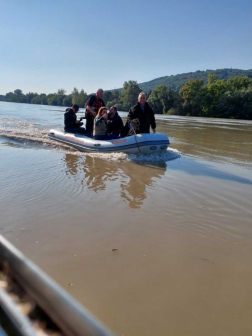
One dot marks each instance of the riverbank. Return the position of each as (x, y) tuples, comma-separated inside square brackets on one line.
[(218, 98)]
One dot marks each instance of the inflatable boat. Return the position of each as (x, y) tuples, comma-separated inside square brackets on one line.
[(134, 144)]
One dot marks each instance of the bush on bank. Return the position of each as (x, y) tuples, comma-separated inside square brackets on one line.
[(230, 98)]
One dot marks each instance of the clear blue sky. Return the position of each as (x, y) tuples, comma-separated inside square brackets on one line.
[(50, 44)]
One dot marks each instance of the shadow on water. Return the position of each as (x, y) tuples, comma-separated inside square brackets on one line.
[(194, 167), (133, 178)]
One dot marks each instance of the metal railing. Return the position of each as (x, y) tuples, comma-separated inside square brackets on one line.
[(70, 317)]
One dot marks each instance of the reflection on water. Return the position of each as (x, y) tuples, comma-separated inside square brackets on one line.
[(133, 180), (133, 189)]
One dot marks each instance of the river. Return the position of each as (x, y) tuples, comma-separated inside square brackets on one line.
[(151, 245)]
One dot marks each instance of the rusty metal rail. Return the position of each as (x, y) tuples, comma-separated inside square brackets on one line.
[(43, 294)]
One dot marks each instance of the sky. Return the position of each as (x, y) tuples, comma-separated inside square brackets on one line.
[(52, 44)]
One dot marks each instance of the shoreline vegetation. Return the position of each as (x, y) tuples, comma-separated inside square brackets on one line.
[(218, 98)]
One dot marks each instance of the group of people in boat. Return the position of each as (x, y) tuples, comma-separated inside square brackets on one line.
[(104, 125)]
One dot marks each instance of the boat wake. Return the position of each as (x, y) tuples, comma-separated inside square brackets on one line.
[(170, 154), (25, 135)]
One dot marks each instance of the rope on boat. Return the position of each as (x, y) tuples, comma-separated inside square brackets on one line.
[(133, 128)]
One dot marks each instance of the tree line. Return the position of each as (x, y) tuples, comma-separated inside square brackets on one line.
[(177, 81), (230, 98)]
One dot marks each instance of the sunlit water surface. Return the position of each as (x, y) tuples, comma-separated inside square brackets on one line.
[(181, 222)]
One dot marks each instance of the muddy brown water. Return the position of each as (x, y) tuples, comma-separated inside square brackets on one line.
[(180, 224)]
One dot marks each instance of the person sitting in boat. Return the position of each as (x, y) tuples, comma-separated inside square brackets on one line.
[(100, 125), (141, 116), (72, 125), (93, 104), (114, 123)]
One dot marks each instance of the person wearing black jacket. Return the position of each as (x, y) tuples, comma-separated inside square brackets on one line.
[(144, 115), (114, 123), (72, 125)]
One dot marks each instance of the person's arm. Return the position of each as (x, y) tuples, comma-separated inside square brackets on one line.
[(130, 116), (90, 110), (70, 120), (153, 121), (65, 119), (89, 106), (96, 122), (120, 125), (78, 122)]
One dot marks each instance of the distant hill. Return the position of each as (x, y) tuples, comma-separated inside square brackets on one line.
[(177, 81)]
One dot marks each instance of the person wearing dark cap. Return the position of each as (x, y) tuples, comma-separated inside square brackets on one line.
[(72, 125)]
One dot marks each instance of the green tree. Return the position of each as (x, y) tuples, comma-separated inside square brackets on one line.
[(218, 99), (190, 90), (236, 105), (130, 94), (30, 96), (238, 83), (211, 97), (211, 78), (107, 96), (118, 106), (191, 94), (83, 97), (61, 96), (10, 97), (18, 92), (53, 100), (79, 98), (112, 103), (75, 96), (67, 101), (40, 99), (162, 99), (17, 97), (116, 95), (114, 100), (61, 92)]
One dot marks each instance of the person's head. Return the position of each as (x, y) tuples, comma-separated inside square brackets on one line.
[(75, 108), (99, 93), (142, 98), (102, 112), (112, 111)]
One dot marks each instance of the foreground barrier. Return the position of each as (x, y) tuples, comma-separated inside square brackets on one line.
[(33, 304)]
